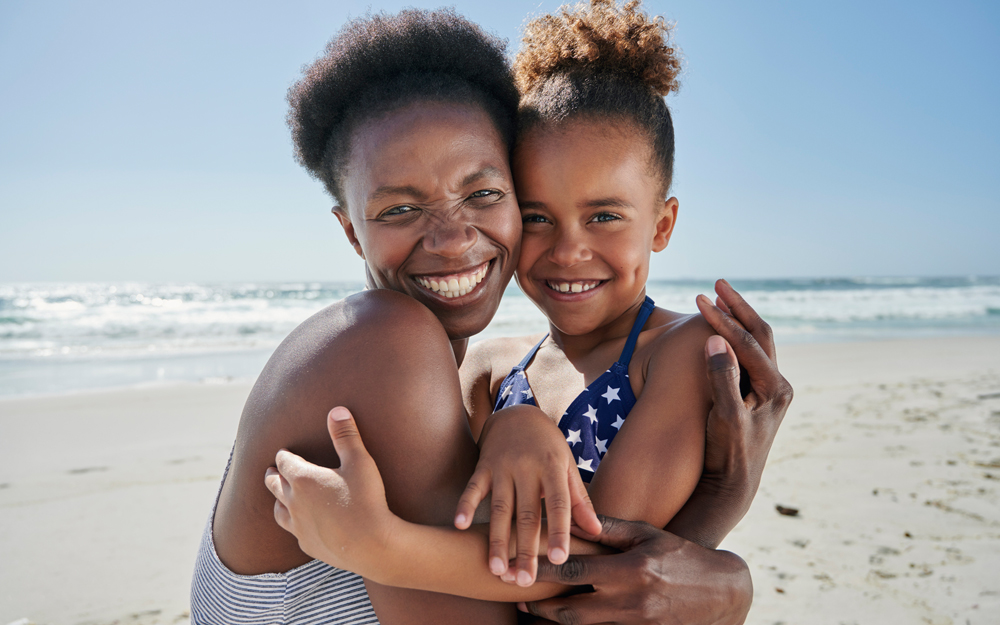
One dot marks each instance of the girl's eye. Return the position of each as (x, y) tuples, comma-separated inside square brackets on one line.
[(533, 219), (601, 217), (398, 210)]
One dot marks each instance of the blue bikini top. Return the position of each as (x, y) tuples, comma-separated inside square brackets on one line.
[(595, 416)]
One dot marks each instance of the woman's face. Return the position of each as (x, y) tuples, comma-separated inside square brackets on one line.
[(431, 209), (592, 210)]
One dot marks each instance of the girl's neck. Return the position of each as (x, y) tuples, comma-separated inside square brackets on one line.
[(579, 346)]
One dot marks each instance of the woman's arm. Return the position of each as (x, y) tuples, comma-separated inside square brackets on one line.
[(388, 358)]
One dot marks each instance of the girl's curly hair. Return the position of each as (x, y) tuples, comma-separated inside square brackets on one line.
[(600, 59), (379, 63)]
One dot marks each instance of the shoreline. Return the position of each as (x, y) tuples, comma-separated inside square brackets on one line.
[(104, 494)]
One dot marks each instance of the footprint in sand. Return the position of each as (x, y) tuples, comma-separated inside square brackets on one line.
[(86, 470)]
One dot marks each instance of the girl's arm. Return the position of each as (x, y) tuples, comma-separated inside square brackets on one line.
[(340, 516)]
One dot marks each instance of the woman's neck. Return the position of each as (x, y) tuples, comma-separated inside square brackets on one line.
[(459, 346)]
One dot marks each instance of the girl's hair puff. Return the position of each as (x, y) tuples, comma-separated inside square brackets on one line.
[(602, 60)]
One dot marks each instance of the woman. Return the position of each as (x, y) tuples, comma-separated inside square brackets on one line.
[(413, 109)]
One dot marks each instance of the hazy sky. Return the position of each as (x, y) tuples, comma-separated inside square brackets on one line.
[(147, 141)]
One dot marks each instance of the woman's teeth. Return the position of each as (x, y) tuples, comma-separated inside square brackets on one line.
[(572, 287), (454, 286)]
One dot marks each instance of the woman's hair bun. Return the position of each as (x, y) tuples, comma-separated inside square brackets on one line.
[(596, 38)]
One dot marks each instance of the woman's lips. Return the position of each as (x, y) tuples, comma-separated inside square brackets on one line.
[(454, 285)]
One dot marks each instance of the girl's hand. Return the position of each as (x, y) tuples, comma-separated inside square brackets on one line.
[(340, 515), (523, 458)]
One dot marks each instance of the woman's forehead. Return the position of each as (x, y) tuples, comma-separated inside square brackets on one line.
[(424, 148)]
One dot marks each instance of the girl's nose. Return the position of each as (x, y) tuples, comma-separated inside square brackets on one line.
[(569, 249), (450, 238)]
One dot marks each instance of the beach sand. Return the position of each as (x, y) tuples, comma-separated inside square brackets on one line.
[(890, 452)]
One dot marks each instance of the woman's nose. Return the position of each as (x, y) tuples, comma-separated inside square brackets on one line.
[(450, 238)]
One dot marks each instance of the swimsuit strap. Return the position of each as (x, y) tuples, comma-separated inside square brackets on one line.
[(531, 354), (640, 321)]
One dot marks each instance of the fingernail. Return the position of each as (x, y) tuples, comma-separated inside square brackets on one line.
[(557, 555), (522, 606), (716, 345), (460, 519), (507, 576), (523, 578), (498, 566), (340, 414), (704, 300)]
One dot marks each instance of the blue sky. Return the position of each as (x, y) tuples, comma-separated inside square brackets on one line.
[(146, 141)]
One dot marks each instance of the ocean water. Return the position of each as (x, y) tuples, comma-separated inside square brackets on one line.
[(57, 338)]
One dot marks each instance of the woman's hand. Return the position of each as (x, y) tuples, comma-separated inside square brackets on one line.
[(523, 458), (740, 429), (340, 515), (658, 578)]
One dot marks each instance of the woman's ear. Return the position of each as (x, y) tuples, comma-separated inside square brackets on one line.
[(345, 223), (665, 224)]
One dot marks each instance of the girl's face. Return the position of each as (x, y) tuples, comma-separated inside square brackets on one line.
[(592, 210), (431, 209)]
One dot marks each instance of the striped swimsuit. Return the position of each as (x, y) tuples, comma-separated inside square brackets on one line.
[(595, 416), (312, 594)]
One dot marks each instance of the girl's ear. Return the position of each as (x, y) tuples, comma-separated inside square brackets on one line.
[(345, 223), (665, 224)]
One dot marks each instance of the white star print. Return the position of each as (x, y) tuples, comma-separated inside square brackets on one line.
[(506, 392), (521, 373), (584, 464), (527, 393), (591, 413), (602, 446), (618, 422), (574, 437), (611, 395)]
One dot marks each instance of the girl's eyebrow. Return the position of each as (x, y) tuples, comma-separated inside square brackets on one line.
[(608, 202)]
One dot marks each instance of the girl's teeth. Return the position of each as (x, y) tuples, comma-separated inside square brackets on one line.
[(572, 287)]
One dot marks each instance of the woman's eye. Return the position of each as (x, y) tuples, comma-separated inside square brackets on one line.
[(601, 217), (485, 193), (398, 210)]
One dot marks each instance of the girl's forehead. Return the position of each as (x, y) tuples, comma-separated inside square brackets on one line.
[(581, 155)]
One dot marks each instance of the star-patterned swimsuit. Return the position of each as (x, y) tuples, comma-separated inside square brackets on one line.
[(595, 416)]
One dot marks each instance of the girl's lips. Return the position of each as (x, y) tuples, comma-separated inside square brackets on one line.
[(454, 285)]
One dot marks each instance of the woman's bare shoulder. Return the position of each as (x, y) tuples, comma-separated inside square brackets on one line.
[(343, 353)]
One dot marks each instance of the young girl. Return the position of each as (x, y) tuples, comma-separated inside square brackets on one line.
[(615, 394)]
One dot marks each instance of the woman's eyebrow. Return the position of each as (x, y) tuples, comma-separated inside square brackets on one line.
[(385, 190), (486, 172)]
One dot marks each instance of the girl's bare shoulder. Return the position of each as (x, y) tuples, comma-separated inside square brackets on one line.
[(674, 343)]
